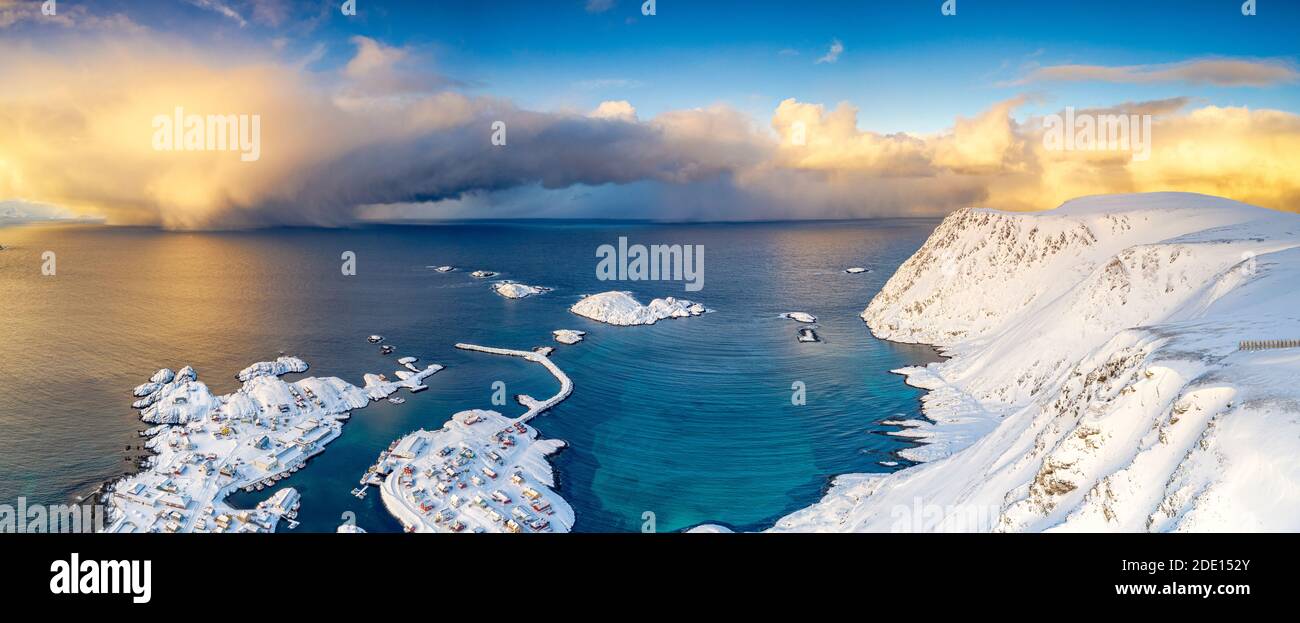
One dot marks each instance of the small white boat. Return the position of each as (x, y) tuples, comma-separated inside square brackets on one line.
[(375, 339), (397, 400), (808, 335)]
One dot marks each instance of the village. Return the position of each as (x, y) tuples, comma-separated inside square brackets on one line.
[(207, 447), (482, 472)]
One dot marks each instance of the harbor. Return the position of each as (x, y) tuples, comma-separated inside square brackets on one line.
[(481, 472)]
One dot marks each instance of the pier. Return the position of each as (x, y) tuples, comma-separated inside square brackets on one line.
[(535, 407)]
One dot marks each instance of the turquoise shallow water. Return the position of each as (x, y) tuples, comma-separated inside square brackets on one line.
[(689, 419)]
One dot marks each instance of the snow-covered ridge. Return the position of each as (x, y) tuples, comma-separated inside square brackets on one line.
[(1096, 381)]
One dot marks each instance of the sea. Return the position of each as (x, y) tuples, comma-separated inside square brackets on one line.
[(723, 418)]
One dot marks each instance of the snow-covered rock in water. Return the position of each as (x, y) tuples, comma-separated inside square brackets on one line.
[(164, 375), (1096, 381), (145, 389), (279, 367), (856, 270), (800, 317), (619, 308), (350, 528), (568, 336), (710, 528), (483, 274), (512, 290)]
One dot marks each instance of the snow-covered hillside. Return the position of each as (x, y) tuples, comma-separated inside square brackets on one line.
[(1096, 382)]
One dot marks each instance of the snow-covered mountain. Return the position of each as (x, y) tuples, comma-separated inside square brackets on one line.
[(1096, 381)]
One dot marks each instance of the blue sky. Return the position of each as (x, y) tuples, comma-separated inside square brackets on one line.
[(907, 66)]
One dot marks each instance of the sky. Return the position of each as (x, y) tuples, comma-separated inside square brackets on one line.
[(713, 110)]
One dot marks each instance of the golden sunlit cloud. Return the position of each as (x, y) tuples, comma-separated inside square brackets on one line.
[(79, 135)]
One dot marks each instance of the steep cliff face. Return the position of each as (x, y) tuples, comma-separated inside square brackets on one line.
[(1096, 381)]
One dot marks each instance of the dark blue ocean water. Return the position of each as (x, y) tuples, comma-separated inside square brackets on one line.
[(688, 419)]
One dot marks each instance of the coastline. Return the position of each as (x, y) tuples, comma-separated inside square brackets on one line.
[(1115, 400)]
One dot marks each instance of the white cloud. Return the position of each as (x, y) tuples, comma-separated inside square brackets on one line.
[(1216, 71), (833, 53), (619, 109), (220, 8)]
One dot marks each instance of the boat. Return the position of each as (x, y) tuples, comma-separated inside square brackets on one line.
[(375, 339), (808, 335), (397, 400)]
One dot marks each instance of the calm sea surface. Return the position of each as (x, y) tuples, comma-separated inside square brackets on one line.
[(688, 419)]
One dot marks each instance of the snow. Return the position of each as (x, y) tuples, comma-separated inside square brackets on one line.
[(164, 375), (709, 528), (379, 386), (481, 472), (206, 446), (279, 367), (512, 290), (1095, 382), (804, 317), (620, 308), (568, 336)]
